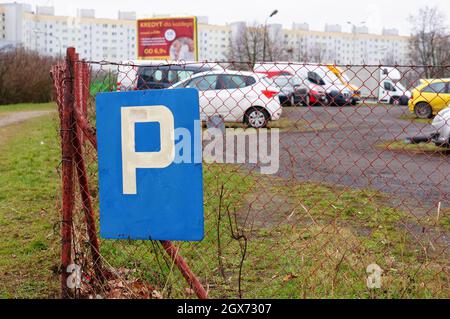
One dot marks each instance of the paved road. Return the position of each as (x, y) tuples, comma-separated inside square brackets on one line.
[(344, 153), (17, 117)]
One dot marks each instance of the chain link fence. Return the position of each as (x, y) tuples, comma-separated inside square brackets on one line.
[(343, 202)]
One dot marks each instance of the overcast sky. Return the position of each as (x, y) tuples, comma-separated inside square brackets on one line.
[(376, 13)]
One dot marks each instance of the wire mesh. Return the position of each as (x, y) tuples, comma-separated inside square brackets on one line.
[(356, 207)]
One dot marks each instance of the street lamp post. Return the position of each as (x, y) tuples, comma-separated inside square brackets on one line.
[(354, 26), (51, 35), (265, 34)]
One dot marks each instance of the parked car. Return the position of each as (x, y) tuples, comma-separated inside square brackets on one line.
[(150, 75), (292, 90), (355, 91), (316, 95), (312, 73), (441, 135), (339, 97), (430, 97), (336, 93), (242, 97), (272, 74), (441, 123)]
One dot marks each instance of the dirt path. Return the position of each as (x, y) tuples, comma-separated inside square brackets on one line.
[(17, 117)]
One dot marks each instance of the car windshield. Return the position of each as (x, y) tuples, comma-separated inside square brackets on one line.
[(287, 81), (320, 76)]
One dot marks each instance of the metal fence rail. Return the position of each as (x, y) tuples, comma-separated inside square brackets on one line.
[(336, 204)]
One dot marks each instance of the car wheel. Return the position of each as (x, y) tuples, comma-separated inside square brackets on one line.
[(306, 101), (292, 100), (330, 101), (256, 117), (423, 110), (404, 100), (394, 101)]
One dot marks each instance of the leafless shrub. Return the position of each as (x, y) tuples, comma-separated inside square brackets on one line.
[(24, 76)]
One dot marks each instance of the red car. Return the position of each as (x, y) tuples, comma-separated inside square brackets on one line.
[(272, 74), (317, 95), (294, 91)]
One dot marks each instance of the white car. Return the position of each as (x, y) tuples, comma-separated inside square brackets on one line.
[(242, 97), (441, 124)]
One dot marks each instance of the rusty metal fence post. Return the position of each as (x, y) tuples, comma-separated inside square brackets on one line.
[(81, 80), (66, 113)]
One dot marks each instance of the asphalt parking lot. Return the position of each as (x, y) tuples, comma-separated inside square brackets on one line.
[(344, 152)]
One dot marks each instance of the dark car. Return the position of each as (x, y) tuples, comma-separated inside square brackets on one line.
[(339, 98), (292, 90), (163, 76)]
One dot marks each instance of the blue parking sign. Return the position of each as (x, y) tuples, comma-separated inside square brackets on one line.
[(150, 168)]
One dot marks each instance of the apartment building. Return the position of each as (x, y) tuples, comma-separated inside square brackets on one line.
[(339, 47), (213, 41), (2, 24), (115, 39), (95, 39)]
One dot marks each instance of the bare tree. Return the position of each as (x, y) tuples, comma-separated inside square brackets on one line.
[(247, 45), (276, 50), (430, 42), (389, 59), (297, 52), (318, 53)]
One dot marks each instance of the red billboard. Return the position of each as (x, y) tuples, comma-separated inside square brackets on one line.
[(167, 39)]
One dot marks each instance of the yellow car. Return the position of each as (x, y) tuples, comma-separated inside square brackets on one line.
[(430, 97)]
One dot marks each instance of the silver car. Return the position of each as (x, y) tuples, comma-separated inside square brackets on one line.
[(292, 89), (441, 124)]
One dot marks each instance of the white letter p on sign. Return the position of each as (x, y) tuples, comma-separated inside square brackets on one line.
[(131, 160)]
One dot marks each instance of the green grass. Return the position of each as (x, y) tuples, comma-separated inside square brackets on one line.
[(422, 148), (107, 83), (29, 156), (284, 124), (304, 240), (317, 243), (4, 109), (361, 226)]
